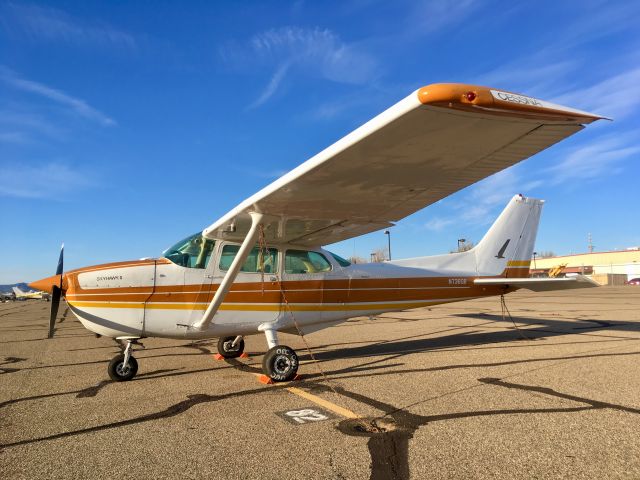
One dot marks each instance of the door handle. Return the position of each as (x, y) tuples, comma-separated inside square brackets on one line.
[(208, 276)]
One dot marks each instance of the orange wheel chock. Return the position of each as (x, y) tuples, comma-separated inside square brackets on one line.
[(217, 356), (244, 355), (267, 381)]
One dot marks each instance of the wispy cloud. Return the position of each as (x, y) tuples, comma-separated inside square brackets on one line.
[(597, 19), (272, 87), (269, 174), (78, 106), (13, 137), (616, 96), (352, 101), (313, 52), (438, 224), (601, 157), (534, 75), (51, 181), (24, 126), (51, 24), (428, 16)]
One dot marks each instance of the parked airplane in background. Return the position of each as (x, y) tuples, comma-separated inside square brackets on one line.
[(261, 269), (21, 295), (6, 296)]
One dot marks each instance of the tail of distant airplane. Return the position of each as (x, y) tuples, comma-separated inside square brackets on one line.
[(505, 250), (18, 292)]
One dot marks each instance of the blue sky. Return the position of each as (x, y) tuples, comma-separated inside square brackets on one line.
[(125, 126)]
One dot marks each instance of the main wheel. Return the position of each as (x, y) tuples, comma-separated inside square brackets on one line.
[(226, 349), (280, 363), (117, 370)]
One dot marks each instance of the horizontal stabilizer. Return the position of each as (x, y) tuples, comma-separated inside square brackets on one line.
[(540, 284)]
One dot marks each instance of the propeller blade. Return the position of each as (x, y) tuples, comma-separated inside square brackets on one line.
[(56, 294), (60, 263), (55, 303)]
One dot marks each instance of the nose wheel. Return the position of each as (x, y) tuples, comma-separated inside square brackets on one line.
[(123, 367), (231, 347), (119, 371)]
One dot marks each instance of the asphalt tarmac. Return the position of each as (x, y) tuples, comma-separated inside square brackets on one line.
[(452, 391)]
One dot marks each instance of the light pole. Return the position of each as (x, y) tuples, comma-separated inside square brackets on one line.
[(373, 257), (388, 234), (534, 260), (461, 242)]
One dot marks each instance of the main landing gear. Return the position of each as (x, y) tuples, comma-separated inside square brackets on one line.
[(123, 367), (280, 363)]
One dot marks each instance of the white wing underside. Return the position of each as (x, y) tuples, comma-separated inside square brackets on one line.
[(406, 158)]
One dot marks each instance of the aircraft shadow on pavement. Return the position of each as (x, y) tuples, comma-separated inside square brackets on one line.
[(533, 328)]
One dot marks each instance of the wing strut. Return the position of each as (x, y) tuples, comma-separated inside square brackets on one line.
[(231, 274)]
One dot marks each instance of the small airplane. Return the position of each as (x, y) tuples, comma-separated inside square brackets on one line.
[(6, 296), (261, 269), (32, 295)]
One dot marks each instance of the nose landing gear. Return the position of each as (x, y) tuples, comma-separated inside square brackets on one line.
[(123, 367)]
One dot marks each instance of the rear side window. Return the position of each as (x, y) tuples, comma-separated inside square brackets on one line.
[(257, 262), (303, 261), (341, 261)]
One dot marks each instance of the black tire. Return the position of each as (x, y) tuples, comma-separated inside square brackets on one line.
[(280, 363), (116, 371), (225, 349)]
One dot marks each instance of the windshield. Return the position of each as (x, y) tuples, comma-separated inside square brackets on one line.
[(191, 252)]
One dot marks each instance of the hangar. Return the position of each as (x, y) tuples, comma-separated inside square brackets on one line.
[(606, 268)]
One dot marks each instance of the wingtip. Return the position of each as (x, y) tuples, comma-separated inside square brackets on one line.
[(468, 97)]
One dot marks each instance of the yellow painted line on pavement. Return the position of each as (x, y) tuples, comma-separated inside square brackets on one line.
[(344, 412), (323, 403)]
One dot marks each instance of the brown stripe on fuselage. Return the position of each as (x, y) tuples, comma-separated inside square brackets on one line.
[(313, 291), (326, 293)]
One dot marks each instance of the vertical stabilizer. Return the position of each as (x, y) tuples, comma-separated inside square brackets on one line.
[(507, 247)]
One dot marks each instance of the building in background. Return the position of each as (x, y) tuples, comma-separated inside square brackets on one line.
[(606, 268)]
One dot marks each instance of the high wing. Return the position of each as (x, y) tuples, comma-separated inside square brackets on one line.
[(540, 284), (438, 140)]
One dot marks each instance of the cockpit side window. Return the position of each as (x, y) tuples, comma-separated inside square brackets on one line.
[(258, 261), (192, 252)]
